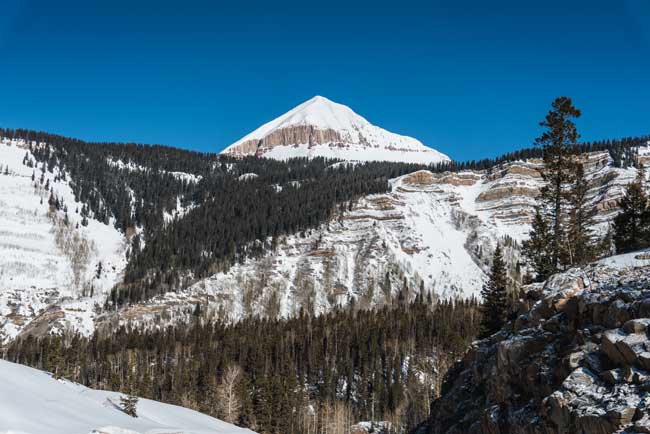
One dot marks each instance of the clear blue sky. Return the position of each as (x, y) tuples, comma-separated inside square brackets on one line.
[(470, 78)]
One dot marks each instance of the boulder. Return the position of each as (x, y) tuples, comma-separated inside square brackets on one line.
[(643, 425), (511, 351), (639, 325), (618, 313), (563, 286), (631, 347), (580, 380), (608, 345)]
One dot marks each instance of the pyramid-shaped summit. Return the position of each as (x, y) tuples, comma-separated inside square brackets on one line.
[(320, 127)]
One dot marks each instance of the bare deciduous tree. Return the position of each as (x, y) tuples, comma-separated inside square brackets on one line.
[(228, 401)]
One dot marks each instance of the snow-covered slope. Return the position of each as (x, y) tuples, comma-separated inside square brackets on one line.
[(436, 232), (433, 231), (49, 270), (32, 402), (322, 128)]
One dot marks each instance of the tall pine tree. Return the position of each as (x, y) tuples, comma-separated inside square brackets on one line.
[(558, 145), (494, 293)]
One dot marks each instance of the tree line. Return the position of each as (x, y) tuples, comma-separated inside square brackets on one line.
[(302, 375)]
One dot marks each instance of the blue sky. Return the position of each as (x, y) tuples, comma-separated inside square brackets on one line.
[(470, 78)]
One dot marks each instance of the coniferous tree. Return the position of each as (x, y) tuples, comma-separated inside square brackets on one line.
[(632, 225), (129, 405), (581, 246), (494, 293), (558, 144), (536, 248)]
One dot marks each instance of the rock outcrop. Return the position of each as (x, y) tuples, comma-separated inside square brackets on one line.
[(575, 360), (299, 134)]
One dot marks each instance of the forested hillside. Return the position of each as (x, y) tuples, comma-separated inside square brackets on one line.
[(308, 374), (188, 215)]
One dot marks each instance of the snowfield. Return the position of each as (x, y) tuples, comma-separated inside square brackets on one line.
[(32, 402), (640, 258), (37, 270)]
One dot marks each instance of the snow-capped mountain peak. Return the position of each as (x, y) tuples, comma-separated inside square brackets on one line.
[(317, 112), (322, 127)]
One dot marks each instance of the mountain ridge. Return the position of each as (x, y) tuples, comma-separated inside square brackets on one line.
[(347, 255)]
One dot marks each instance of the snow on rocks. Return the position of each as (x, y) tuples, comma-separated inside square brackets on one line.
[(578, 361), (436, 230)]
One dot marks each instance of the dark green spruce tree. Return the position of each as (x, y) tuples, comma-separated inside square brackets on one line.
[(558, 144), (536, 248), (495, 301), (582, 247), (632, 225)]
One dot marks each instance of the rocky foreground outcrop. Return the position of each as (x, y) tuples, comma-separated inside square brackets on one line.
[(575, 360)]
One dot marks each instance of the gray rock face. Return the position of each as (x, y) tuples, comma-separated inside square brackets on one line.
[(577, 361)]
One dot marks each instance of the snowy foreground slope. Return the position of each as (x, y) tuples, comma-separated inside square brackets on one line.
[(320, 127), (32, 402)]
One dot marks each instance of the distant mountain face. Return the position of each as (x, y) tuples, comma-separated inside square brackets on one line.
[(320, 127), (428, 233), (432, 233)]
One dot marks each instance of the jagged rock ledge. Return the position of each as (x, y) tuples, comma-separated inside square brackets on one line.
[(575, 360)]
